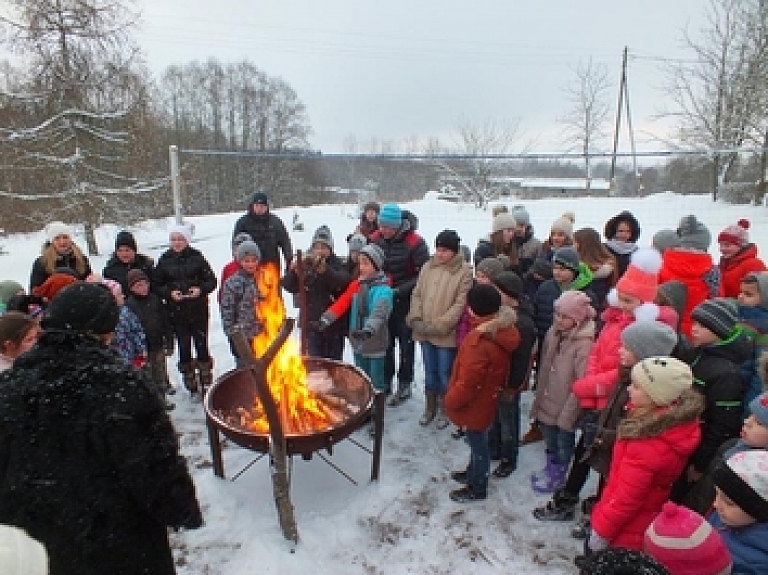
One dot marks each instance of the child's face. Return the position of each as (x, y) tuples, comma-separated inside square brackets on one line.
[(444, 255), (749, 294), (371, 215), (728, 249), (623, 232), (639, 397), (562, 275), (730, 513), (365, 265), (628, 303), (125, 254), (140, 288), (701, 335), (482, 278), (557, 238), (178, 242), (250, 264), (754, 433), (562, 322), (627, 357), (321, 250)]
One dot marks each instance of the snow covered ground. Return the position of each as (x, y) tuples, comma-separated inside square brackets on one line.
[(404, 523)]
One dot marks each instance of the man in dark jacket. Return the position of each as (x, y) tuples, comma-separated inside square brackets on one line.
[(89, 461), (405, 252), (126, 258), (267, 230)]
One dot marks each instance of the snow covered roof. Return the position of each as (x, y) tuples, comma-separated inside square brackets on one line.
[(565, 183)]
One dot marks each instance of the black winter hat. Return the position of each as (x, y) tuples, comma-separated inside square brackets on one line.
[(126, 239), (82, 306), (619, 561), (260, 197), (484, 299), (449, 240), (719, 315), (613, 224), (568, 258), (510, 284)]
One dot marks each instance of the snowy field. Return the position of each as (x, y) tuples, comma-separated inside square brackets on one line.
[(404, 523)]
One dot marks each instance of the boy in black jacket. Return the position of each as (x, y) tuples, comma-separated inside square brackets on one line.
[(153, 316)]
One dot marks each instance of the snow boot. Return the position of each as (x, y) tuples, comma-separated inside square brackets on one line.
[(460, 477), (430, 406), (541, 475), (401, 395), (505, 468), (205, 374), (188, 375), (441, 420), (466, 495), (562, 507), (554, 480)]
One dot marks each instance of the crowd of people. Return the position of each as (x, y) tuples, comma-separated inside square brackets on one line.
[(648, 365)]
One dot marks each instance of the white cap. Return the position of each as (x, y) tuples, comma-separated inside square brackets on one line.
[(56, 229), (186, 230), (20, 554)]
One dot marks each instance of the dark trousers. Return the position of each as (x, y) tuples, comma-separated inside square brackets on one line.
[(579, 471), (504, 435), (479, 461), (157, 370), (399, 332), (189, 334), (325, 345)]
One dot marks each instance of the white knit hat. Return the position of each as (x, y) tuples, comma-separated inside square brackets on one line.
[(20, 554), (662, 378), (503, 221), (56, 229), (187, 230)]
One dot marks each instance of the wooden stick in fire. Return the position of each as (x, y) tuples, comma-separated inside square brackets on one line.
[(303, 319), (277, 446)]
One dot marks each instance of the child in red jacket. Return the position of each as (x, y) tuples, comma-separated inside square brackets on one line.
[(738, 257)]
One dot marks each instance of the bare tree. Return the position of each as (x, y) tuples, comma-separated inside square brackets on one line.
[(585, 120), (720, 101)]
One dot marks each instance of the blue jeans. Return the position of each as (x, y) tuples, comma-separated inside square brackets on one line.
[(373, 368), (559, 442), (438, 362), (479, 461), (504, 435), (325, 345), (399, 332)]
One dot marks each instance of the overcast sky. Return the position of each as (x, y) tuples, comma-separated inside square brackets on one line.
[(396, 69)]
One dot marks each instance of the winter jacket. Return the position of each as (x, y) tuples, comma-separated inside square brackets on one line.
[(404, 256), (754, 321), (717, 376), (602, 374), (521, 361), (650, 453), (369, 302), (733, 270), (129, 340), (50, 260), (153, 316), (748, 546), (239, 303), (439, 299), (529, 249), (698, 272), (118, 271), (227, 272), (182, 271), (322, 285), (480, 371), (269, 232), (550, 290), (89, 461), (622, 252), (563, 360)]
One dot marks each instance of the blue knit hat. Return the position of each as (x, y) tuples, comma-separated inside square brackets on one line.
[(390, 216)]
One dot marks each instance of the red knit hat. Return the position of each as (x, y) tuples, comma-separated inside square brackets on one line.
[(683, 541), (641, 278), (735, 234), (53, 285)]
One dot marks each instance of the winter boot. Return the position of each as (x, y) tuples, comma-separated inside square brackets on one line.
[(505, 468), (561, 508), (541, 475), (430, 405), (441, 420), (205, 371), (401, 395), (554, 480), (466, 494), (533, 435), (582, 527), (189, 377)]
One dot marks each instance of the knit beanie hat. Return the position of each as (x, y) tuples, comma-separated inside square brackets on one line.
[(744, 479), (719, 315), (504, 221), (53, 285), (521, 215), (8, 289), (125, 239), (356, 242), (135, 276), (249, 248), (761, 279), (260, 198), (612, 225), (240, 238), (619, 561), (323, 235), (564, 224), (693, 234), (390, 216), (510, 284), (649, 339), (662, 378), (56, 229), (375, 254), (686, 544), (641, 278), (20, 554), (542, 268), (576, 305), (449, 240), (735, 234), (665, 240), (491, 267), (568, 258), (759, 408), (484, 300), (673, 293), (185, 230), (82, 306)]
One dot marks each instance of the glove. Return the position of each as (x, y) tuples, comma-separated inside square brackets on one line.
[(597, 542), (325, 320), (361, 334)]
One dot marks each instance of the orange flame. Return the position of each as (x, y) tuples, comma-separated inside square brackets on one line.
[(286, 376)]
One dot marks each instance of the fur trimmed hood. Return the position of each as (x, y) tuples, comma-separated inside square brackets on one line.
[(506, 317), (688, 408)]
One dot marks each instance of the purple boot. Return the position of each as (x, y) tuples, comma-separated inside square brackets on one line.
[(541, 475), (554, 480)]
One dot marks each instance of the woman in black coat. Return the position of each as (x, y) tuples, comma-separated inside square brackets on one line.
[(89, 461)]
